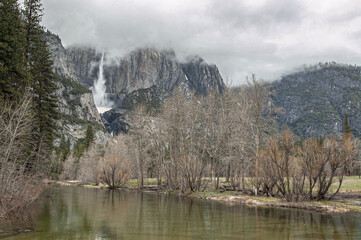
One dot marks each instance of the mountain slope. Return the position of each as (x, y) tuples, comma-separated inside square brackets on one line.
[(76, 103), (315, 100)]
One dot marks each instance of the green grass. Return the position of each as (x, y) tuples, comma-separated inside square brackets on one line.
[(343, 206), (147, 182), (266, 199), (352, 183), (349, 184), (218, 193)]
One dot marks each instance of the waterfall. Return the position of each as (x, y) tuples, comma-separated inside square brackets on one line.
[(102, 103)]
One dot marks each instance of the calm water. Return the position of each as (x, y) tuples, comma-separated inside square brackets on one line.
[(81, 213)]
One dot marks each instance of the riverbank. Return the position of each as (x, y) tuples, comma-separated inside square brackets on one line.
[(348, 200), (342, 205)]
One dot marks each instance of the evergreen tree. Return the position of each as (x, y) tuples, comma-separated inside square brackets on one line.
[(39, 65), (45, 100), (346, 125), (321, 141), (13, 74), (64, 149), (33, 30), (89, 137), (78, 150), (346, 128)]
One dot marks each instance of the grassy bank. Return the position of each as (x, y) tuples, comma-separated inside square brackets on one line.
[(349, 198), (340, 205)]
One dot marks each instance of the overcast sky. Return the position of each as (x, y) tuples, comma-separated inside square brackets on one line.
[(265, 37)]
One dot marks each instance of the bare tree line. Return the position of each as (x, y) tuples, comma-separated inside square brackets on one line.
[(196, 140), (222, 140)]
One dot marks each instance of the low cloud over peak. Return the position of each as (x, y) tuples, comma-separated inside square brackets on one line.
[(267, 38)]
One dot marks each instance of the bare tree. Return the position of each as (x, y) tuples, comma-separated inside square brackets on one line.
[(141, 132), (240, 143), (280, 163), (70, 168), (299, 169), (260, 114), (86, 167), (115, 167), (336, 158), (217, 133), (18, 188)]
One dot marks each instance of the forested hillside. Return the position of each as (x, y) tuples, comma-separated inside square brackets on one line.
[(316, 99)]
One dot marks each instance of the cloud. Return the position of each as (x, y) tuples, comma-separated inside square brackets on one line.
[(265, 37)]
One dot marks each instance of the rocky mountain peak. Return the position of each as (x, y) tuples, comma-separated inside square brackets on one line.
[(195, 59), (202, 76), (145, 68)]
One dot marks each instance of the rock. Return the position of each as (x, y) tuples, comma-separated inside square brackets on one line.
[(76, 103), (62, 65), (202, 76), (115, 121), (85, 62)]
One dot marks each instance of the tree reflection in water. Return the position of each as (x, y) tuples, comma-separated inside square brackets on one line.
[(82, 213)]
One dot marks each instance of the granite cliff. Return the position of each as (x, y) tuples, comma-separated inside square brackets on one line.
[(76, 103), (142, 76), (144, 69)]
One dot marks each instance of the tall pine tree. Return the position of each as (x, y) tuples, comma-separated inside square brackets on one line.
[(13, 74), (89, 136), (346, 127), (39, 65)]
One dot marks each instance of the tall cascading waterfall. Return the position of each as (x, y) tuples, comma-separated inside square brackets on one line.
[(102, 103)]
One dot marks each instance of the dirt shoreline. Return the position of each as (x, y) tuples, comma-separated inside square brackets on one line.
[(350, 202), (323, 207)]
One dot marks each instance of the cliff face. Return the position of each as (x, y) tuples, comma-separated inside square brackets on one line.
[(143, 76), (84, 63), (76, 103), (62, 64), (144, 69), (202, 76), (315, 100)]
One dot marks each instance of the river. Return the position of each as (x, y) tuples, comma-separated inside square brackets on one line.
[(89, 213)]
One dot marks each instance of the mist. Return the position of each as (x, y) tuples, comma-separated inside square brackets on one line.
[(268, 38)]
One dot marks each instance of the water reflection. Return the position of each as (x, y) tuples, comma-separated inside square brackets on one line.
[(80, 213)]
